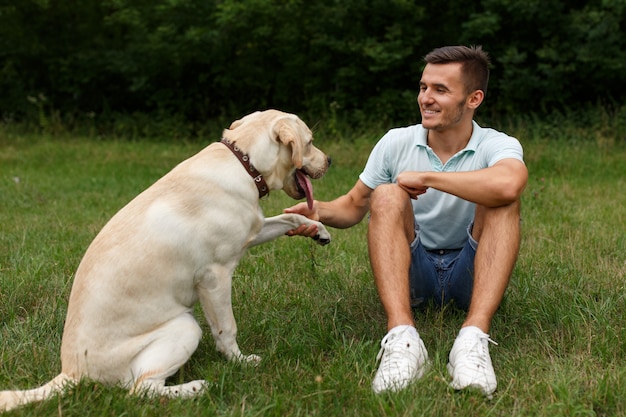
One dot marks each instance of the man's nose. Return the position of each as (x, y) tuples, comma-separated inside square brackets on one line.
[(424, 96)]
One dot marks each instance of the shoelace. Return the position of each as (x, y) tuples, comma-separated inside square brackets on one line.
[(476, 348), (383, 344), (384, 347)]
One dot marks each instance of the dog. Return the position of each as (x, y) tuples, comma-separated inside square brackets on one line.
[(129, 318)]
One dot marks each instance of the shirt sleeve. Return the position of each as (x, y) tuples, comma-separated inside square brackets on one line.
[(376, 171), (501, 146)]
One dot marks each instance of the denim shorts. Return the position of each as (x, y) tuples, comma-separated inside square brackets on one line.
[(442, 275)]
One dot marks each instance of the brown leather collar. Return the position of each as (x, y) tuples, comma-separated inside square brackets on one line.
[(260, 183)]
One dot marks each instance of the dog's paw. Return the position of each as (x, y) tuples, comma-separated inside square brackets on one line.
[(323, 237), (251, 359), (246, 359), (158, 388), (187, 390)]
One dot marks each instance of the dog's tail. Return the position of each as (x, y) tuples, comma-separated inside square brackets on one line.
[(12, 399)]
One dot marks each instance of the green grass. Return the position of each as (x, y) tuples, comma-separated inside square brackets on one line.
[(312, 312)]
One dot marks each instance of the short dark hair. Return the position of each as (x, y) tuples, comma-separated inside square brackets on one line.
[(475, 64)]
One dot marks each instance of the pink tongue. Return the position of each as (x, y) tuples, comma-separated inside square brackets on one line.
[(307, 187)]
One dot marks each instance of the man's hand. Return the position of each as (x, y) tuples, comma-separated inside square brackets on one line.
[(304, 230), (412, 183)]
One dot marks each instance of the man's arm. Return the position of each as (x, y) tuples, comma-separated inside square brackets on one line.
[(498, 185)]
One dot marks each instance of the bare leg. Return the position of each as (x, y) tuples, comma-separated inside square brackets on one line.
[(403, 356), (391, 231), (498, 232)]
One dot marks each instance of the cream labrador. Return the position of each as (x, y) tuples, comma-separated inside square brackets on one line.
[(129, 318)]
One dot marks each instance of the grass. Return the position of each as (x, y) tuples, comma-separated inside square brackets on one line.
[(312, 312)]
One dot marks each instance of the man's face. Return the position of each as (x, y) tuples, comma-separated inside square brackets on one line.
[(442, 98)]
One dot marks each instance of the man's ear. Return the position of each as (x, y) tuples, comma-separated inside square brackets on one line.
[(286, 134), (475, 99)]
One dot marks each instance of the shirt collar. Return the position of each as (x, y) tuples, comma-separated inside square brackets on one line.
[(422, 138)]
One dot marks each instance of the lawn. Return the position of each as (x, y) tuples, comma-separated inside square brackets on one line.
[(312, 312)]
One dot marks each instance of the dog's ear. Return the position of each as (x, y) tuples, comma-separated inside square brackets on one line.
[(286, 134), (235, 124), (249, 117)]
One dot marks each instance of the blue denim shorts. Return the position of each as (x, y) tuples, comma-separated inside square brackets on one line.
[(442, 275)]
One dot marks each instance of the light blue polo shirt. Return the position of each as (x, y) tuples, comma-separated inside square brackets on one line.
[(442, 217)]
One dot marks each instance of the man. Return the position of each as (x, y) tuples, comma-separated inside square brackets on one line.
[(444, 204)]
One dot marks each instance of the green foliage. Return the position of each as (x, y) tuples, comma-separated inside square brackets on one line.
[(206, 58), (552, 54)]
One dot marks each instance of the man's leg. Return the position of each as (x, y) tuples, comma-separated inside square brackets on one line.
[(390, 233), (498, 232), (391, 230)]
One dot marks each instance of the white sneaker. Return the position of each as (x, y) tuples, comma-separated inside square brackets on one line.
[(470, 363), (402, 360)]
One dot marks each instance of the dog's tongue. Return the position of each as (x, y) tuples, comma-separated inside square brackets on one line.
[(307, 187)]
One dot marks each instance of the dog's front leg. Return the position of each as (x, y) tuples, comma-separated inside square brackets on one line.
[(277, 226), (215, 292)]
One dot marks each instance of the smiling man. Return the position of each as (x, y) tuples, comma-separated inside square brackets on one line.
[(444, 225)]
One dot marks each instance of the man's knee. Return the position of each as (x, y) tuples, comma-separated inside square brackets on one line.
[(386, 196), (391, 205)]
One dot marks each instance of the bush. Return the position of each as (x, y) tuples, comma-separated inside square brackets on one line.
[(200, 59)]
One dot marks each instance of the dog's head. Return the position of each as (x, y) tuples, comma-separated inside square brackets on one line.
[(280, 146)]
